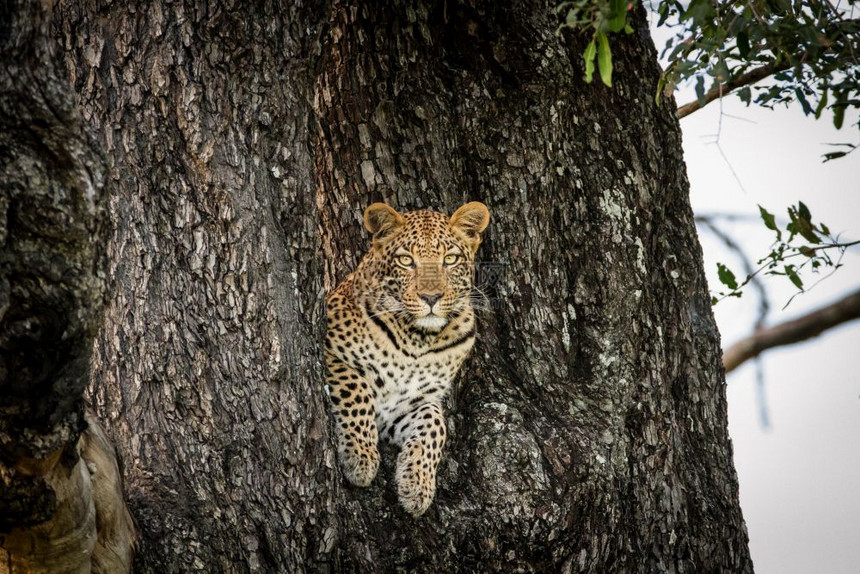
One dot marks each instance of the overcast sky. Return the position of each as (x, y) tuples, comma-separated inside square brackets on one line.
[(799, 478)]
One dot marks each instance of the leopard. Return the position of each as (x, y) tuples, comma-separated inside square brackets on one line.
[(399, 327)]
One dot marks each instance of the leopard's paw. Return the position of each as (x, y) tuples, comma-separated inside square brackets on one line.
[(416, 479), (360, 464)]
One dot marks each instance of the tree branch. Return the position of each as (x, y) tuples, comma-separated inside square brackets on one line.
[(804, 327), (720, 90), (756, 74)]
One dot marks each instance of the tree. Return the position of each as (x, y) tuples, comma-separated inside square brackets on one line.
[(588, 431), (61, 505), (772, 53)]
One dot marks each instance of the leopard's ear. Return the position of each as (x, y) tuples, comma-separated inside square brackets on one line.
[(469, 221), (381, 221)]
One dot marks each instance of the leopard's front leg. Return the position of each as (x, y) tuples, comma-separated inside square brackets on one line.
[(353, 406), (421, 435)]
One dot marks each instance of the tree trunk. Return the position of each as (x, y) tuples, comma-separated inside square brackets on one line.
[(588, 430), (61, 503)]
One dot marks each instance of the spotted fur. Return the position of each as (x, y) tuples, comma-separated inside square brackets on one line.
[(399, 327)]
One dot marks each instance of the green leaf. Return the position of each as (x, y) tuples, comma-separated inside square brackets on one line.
[(721, 71), (838, 116), (768, 218), (807, 231), (604, 59), (783, 5), (807, 109), (795, 278), (822, 103), (801, 222), (745, 94), (590, 52), (824, 229), (617, 15), (699, 11), (664, 12), (806, 251), (834, 155), (803, 211), (726, 276), (700, 90), (661, 83), (743, 43), (770, 221)]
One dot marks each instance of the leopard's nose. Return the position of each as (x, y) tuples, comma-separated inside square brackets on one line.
[(430, 299)]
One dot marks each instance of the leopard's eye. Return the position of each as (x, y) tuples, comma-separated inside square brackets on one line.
[(405, 261), (451, 259)]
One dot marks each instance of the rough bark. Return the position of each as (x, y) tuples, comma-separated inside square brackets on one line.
[(589, 428), (61, 503)]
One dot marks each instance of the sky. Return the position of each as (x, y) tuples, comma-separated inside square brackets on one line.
[(799, 475)]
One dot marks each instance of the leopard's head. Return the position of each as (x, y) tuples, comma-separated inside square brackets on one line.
[(421, 265)]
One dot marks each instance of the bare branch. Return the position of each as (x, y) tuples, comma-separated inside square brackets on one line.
[(794, 331)]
